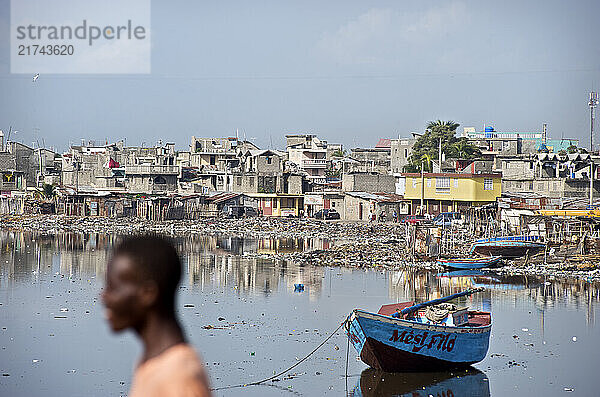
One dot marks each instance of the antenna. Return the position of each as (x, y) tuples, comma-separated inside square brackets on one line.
[(592, 104), (544, 132)]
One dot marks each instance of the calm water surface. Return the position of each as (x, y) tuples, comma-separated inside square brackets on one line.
[(243, 316)]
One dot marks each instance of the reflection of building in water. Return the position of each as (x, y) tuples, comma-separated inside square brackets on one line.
[(311, 277), (213, 270), (24, 255), (420, 285), (216, 269), (287, 245)]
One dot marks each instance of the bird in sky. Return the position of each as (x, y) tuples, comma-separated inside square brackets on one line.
[(37, 75)]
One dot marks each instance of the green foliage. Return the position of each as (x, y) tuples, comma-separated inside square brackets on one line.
[(427, 146), (339, 153), (572, 149), (49, 191)]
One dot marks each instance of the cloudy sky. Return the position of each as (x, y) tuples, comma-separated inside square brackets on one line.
[(348, 71)]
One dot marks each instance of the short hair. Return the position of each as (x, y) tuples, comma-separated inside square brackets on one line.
[(157, 260)]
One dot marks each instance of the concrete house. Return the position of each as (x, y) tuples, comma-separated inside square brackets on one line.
[(309, 153), (444, 192)]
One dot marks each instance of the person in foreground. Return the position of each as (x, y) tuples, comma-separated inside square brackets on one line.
[(141, 283)]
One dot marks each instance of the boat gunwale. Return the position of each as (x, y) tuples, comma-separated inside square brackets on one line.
[(508, 243), (425, 327), (470, 260)]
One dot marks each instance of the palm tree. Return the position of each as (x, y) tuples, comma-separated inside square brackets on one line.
[(49, 191), (464, 150), (449, 125), (426, 160)]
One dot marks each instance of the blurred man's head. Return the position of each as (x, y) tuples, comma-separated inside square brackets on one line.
[(141, 278)]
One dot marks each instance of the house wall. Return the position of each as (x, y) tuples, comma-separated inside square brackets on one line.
[(461, 188), (352, 206), (364, 182), (400, 152)]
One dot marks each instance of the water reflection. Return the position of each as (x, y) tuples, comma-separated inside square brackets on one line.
[(221, 262), (470, 382), (544, 291)]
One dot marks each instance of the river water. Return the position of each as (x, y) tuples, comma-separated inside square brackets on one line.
[(242, 314)]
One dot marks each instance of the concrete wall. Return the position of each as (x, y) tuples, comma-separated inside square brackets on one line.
[(364, 182), (352, 207), (401, 151)]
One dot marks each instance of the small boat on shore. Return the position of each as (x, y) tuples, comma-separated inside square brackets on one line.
[(405, 337), (469, 263), (508, 246)]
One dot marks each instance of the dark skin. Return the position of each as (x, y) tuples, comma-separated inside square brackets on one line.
[(133, 301)]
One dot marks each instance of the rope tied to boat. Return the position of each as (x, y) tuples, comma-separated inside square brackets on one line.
[(439, 312), (285, 370)]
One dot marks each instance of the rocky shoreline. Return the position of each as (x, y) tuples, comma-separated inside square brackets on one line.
[(353, 244)]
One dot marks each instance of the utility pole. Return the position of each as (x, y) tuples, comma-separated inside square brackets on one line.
[(422, 188), (591, 181), (440, 154), (592, 104)]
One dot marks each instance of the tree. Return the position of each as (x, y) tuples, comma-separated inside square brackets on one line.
[(339, 153), (49, 191), (427, 146), (572, 149)]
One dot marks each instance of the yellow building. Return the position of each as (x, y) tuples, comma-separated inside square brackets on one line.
[(447, 192), (279, 204)]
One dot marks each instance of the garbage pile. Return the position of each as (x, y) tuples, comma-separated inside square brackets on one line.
[(258, 227)]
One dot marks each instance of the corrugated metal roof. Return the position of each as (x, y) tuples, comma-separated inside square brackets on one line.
[(384, 143)]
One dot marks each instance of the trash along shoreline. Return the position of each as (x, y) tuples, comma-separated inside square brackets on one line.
[(353, 244)]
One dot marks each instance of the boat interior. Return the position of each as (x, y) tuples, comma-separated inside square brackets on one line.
[(474, 318)]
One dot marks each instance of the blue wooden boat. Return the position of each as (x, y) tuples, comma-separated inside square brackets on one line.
[(469, 263), (508, 246), (471, 382), (399, 338)]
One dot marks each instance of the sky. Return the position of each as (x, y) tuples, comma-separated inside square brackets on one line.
[(349, 71)]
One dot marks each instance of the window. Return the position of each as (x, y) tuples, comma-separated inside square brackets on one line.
[(405, 153), (414, 183), (531, 185), (251, 181), (488, 184), (239, 181), (333, 204), (442, 185), (455, 182), (269, 160), (428, 182), (159, 180)]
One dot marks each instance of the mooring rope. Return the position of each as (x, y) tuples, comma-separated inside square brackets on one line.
[(286, 370)]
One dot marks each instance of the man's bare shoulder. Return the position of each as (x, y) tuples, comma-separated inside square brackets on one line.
[(176, 372)]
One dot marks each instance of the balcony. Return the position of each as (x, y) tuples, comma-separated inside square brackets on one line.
[(314, 163), (152, 170), (319, 180)]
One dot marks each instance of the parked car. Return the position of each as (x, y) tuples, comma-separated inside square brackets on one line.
[(415, 219), (327, 214), (446, 218)]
